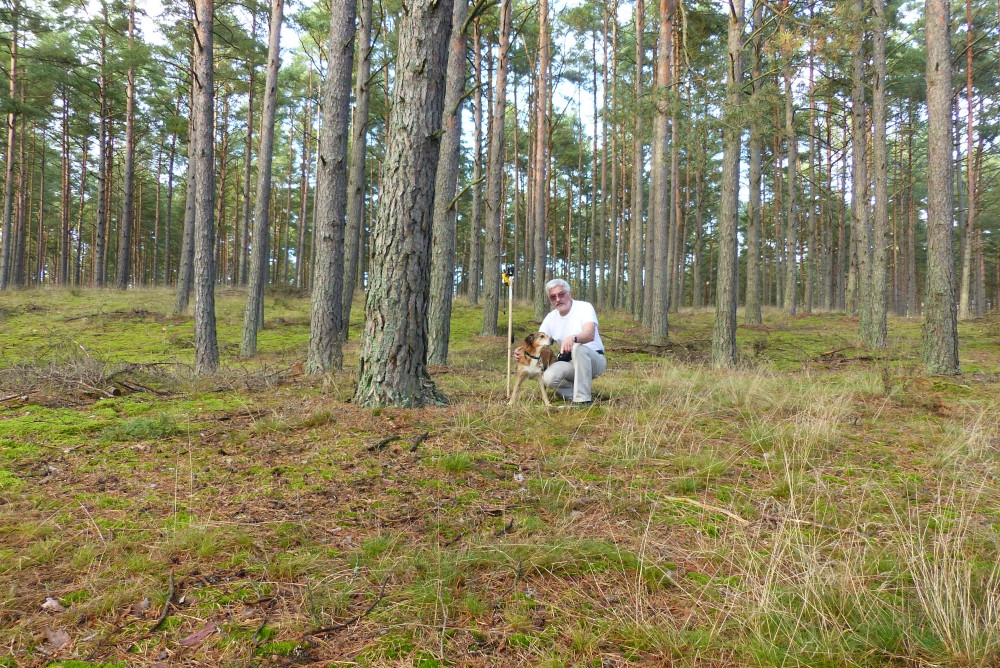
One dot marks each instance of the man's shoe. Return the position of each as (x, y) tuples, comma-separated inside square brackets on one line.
[(578, 404)]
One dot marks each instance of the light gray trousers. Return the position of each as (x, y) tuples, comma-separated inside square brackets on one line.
[(572, 380)]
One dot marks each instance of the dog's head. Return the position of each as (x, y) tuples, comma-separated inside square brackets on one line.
[(538, 340)]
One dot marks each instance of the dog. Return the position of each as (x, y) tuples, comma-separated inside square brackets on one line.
[(536, 356)]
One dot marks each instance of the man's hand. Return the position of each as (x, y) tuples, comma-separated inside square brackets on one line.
[(566, 345), (517, 354)]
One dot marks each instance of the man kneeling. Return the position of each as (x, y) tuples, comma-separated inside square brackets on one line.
[(573, 325)]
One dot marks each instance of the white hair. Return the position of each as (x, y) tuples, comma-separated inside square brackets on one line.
[(557, 283)]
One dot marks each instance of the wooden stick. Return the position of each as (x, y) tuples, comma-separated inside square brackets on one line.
[(510, 324)]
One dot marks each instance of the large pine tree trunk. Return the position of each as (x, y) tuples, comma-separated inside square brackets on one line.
[(494, 181), (940, 331), (326, 311), (724, 331), (442, 281), (393, 357), (206, 345), (123, 273), (253, 314), (356, 174), (660, 207), (878, 302)]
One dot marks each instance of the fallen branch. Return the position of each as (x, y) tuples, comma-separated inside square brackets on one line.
[(376, 447), (166, 607), (418, 440), (353, 620)]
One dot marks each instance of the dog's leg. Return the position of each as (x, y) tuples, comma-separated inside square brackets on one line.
[(513, 393), (545, 393)]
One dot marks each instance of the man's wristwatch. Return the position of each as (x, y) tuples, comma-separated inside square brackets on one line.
[(574, 339)]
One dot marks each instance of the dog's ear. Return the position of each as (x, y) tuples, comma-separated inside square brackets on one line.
[(530, 339), (547, 357)]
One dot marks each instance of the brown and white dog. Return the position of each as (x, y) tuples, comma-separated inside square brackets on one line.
[(536, 356)]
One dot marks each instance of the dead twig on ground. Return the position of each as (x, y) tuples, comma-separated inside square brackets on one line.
[(379, 446), (353, 620), (166, 607)]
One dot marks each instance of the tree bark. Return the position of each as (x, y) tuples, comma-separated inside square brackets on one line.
[(660, 207), (540, 296), (940, 329), (965, 290), (791, 293), (123, 273), (8, 188), (635, 266), (878, 300), (326, 312), (442, 279), (356, 175), (104, 162), (185, 271), (754, 290), (494, 180), (473, 272), (244, 270), (206, 345), (253, 314), (393, 357), (724, 354)]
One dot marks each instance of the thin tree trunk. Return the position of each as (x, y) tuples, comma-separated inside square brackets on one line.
[(752, 300), (326, 310), (442, 278), (300, 242), (185, 268), (65, 245), (791, 293), (123, 274), (635, 266), (494, 180), (356, 175), (8, 189), (103, 163), (248, 164), (724, 353), (476, 224), (541, 192), (253, 313), (965, 291), (168, 225)]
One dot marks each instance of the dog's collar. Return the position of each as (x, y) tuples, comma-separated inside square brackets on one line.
[(534, 357)]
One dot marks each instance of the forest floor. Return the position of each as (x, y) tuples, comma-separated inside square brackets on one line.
[(823, 505)]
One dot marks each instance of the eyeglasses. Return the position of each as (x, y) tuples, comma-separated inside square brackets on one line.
[(558, 296)]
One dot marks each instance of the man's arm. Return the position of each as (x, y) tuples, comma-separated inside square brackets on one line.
[(585, 336)]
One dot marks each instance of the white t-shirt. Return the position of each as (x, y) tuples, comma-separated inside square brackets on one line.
[(562, 327)]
